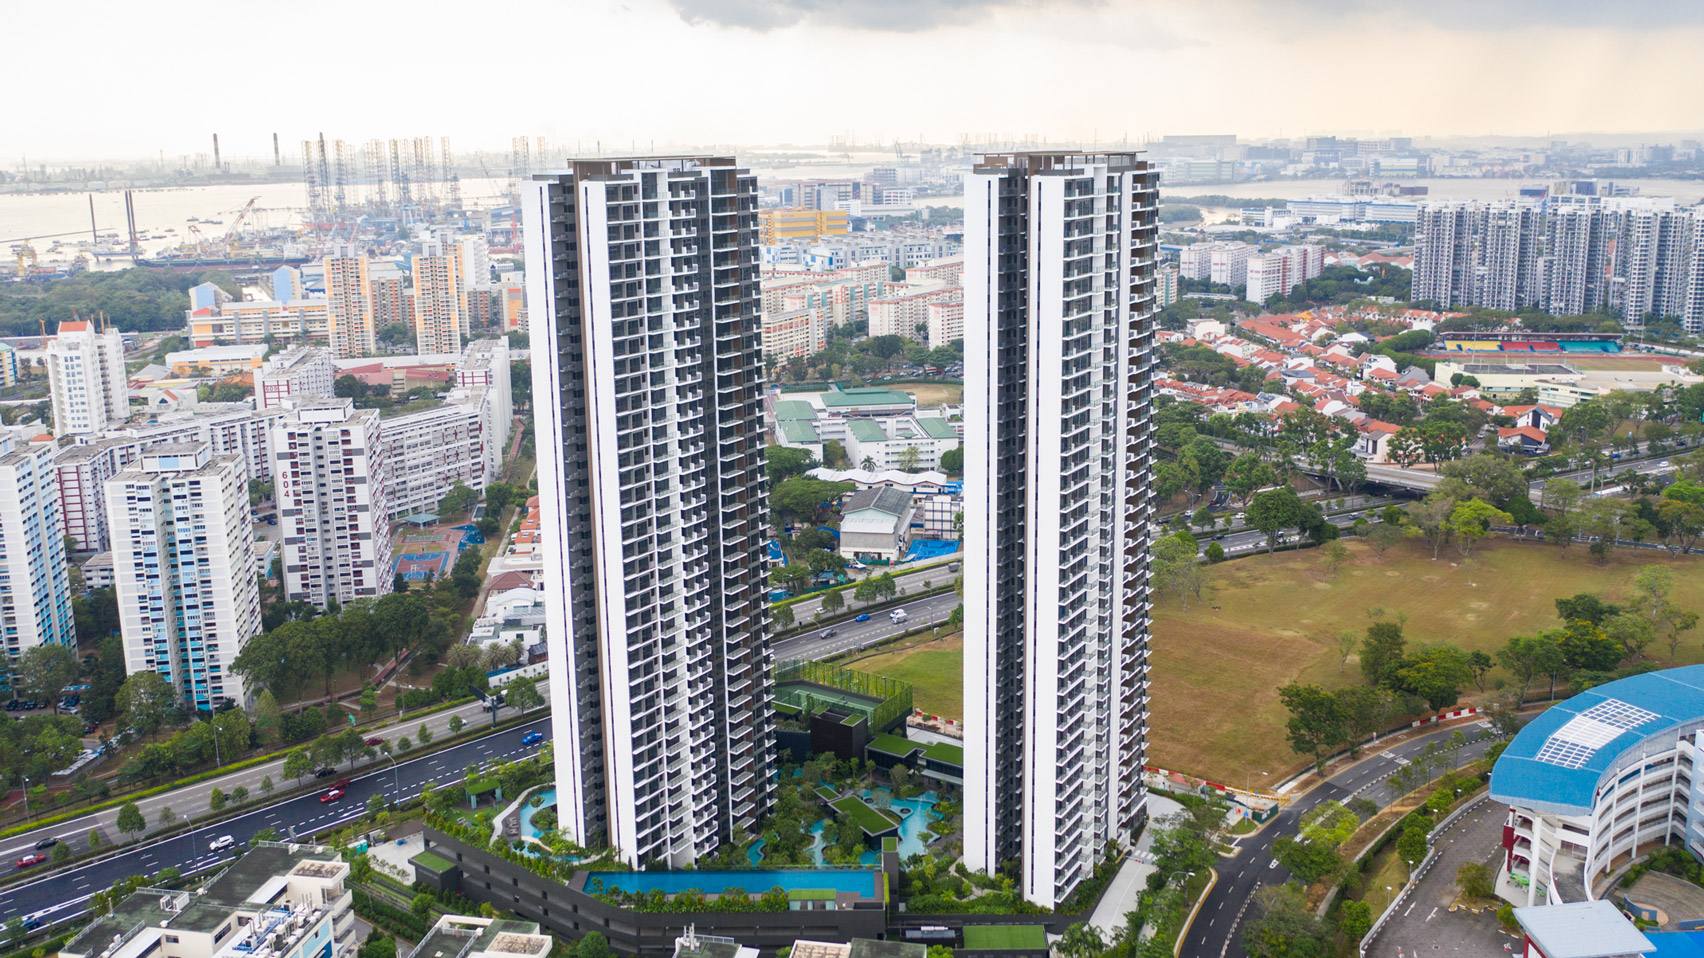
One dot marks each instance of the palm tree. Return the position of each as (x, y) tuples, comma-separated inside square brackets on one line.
[(867, 464)]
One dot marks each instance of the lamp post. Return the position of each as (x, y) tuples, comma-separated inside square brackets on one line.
[(26, 798)]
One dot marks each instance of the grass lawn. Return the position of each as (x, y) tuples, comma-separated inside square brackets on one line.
[(931, 394), (1387, 870), (1005, 937), (934, 667), (1270, 621), (866, 816), (1649, 364)]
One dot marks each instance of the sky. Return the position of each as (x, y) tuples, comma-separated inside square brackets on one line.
[(123, 79)]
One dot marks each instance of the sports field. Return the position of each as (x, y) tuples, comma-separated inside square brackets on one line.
[(1271, 620), (1618, 364), (931, 394)]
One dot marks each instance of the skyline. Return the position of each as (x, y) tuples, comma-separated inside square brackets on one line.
[(1211, 66)]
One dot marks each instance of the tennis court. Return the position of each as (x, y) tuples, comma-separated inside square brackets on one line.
[(422, 554)]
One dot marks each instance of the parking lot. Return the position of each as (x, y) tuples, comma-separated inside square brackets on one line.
[(1424, 925)]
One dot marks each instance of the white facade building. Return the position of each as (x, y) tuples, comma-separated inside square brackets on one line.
[(1059, 265), (296, 374), (331, 477), (793, 333), (85, 374), (80, 475), (35, 586), (440, 314), (653, 500), (184, 565), (904, 309)]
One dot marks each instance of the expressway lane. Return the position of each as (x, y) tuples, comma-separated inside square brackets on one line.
[(1216, 932), (63, 892), (851, 636)]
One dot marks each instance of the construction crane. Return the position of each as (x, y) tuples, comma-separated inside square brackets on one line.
[(28, 252), (231, 234)]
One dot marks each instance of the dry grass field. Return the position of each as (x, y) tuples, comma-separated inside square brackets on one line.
[(931, 394)]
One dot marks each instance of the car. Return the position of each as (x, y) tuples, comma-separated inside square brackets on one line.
[(34, 858), (322, 773), (91, 729), (340, 784), (1218, 537), (826, 634), (221, 843), (12, 706), (47, 843), (331, 796), (532, 738), (862, 617), (1663, 465), (375, 741)]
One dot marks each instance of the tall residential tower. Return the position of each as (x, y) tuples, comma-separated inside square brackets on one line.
[(647, 378), (1059, 288), (85, 374), (35, 587)]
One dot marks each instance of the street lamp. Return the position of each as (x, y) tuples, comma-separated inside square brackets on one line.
[(26, 798)]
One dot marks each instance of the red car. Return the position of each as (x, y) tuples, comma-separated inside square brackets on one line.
[(375, 741), (34, 858), (330, 796)]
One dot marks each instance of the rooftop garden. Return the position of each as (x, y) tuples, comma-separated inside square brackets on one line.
[(856, 811)]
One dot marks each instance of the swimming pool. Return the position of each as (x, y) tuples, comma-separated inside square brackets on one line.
[(855, 881), (527, 811)]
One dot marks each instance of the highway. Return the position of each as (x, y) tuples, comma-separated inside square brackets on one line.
[(806, 607), (63, 892), (851, 636), (1216, 930)]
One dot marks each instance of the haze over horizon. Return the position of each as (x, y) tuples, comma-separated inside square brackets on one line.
[(636, 72)]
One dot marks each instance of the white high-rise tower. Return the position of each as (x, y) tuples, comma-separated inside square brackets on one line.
[(1059, 286), (648, 377)]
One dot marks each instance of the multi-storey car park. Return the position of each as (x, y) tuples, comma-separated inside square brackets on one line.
[(1601, 779)]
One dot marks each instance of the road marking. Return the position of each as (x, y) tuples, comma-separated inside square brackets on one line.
[(1434, 912)]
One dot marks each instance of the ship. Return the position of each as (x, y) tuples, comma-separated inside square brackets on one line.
[(265, 259)]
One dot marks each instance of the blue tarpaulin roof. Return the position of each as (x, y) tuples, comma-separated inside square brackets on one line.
[(1556, 762)]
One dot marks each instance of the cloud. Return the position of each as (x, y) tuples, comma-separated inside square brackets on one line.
[(1478, 15), (897, 16)]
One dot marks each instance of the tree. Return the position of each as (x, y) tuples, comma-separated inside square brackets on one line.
[(1346, 642), (1411, 847), (146, 698), (298, 764), (1586, 607), (1248, 474), (952, 461), (1274, 510), (1366, 709), (782, 616), (1563, 495), (832, 601), (1081, 940), (1382, 536), (268, 717), (456, 724), (1475, 881), (44, 671), (1316, 723), (424, 734), (266, 786), (1632, 632), (216, 799), (520, 693), (1333, 555), (834, 455), (785, 462), (458, 500), (167, 816), (1436, 673), (594, 945), (1355, 919), (1381, 652), (1430, 519), (130, 820), (1471, 521), (1480, 665), (231, 730)]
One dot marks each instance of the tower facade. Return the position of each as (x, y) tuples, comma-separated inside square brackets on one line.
[(331, 476), (184, 567), (35, 587), (440, 317), (86, 375), (1059, 289), (647, 378), (349, 304)]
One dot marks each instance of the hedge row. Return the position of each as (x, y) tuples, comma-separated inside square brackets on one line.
[(403, 924)]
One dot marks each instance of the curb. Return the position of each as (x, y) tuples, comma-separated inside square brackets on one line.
[(1188, 923)]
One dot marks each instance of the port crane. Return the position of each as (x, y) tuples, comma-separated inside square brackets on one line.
[(231, 234)]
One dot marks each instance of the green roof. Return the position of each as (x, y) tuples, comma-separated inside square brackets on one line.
[(794, 409), (437, 863), (890, 844), (872, 820), (866, 431), (825, 793), (811, 894), (1005, 938), (942, 752), (865, 397), (893, 745), (797, 430), (938, 428)]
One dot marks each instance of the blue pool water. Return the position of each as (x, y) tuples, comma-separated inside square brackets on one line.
[(755, 882), (915, 816), (930, 549), (527, 829)]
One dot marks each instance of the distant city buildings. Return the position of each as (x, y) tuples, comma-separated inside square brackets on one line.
[(1058, 456), (351, 328), (330, 478), (184, 567), (775, 225), (1282, 270), (35, 591), (652, 493), (440, 317), (1564, 254), (296, 374), (87, 380)]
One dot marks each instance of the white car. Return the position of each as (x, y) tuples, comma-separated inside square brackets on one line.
[(221, 843)]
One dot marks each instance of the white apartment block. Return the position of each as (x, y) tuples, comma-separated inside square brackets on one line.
[(1444, 254), (276, 901), (1282, 270), (1508, 277), (85, 374), (351, 329), (431, 450), (912, 443), (300, 320), (904, 309), (1692, 315), (485, 363), (230, 429), (843, 294), (795, 333), (947, 271), (184, 566), (1577, 263), (652, 500), (1225, 263), (1059, 261), (1654, 262), (331, 477), (945, 321), (35, 586), (80, 475), (296, 374), (440, 315)]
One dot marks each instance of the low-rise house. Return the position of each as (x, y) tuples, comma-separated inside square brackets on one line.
[(875, 524)]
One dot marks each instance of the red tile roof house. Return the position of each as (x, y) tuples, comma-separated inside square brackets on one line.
[(1539, 417), (1527, 439), (1374, 444)]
